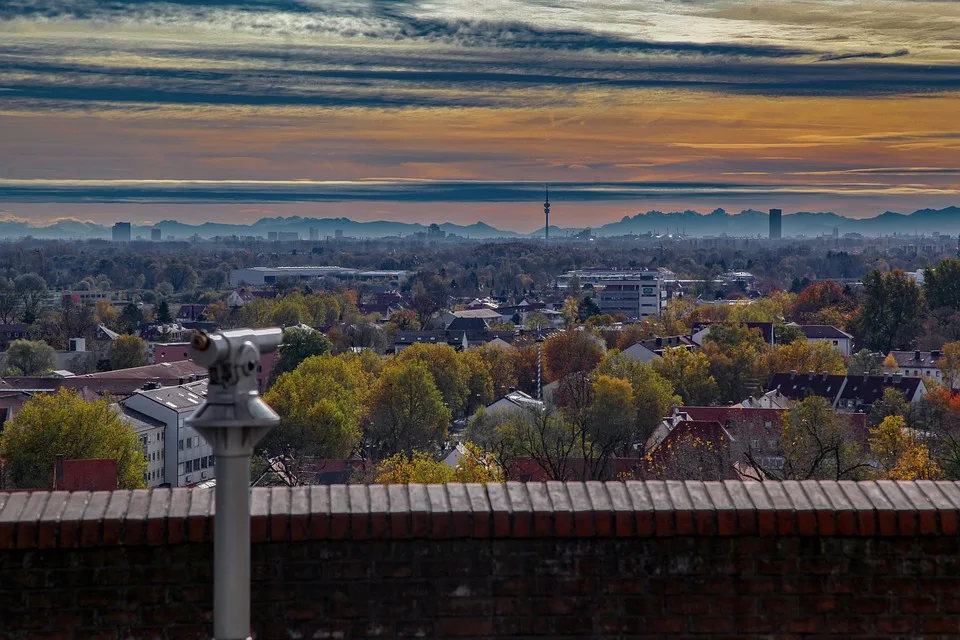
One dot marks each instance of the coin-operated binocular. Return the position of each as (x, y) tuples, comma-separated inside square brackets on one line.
[(232, 419)]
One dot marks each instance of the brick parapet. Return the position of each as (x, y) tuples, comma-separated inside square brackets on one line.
[(40, 519)]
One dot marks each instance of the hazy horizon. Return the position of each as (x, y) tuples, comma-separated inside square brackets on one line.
[(447, 111)]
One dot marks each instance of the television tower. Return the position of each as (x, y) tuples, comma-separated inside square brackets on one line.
[(546, 211)]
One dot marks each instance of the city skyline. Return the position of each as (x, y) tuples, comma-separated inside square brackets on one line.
[(415, 112)]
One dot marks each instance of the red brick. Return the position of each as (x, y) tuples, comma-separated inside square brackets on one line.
[(583, 517), (724, 510), (339, 527), (480, 507), (664, 625), (27, 523), (71, 517), (500, 509), (918, 605), (940, 625), (886, 624), (542, 508), (870, 605), (602, 506), (643, 508), (439, 510), (460, 510), (464, 627), (47, 527)]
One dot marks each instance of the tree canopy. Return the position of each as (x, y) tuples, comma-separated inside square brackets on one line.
[(63, 423)]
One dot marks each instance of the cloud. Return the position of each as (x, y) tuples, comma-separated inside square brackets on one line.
[(875, 55), (425, 191)]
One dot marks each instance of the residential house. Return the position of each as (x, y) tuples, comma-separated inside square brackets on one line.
[(920, 364), (651, 349), (191, 312), (514, 400), (489, 315), (839, 340), (855, 393)]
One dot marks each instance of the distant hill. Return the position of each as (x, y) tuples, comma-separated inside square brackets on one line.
[(718, 221)]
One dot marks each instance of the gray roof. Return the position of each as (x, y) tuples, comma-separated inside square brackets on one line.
[(927, 359), (186, 397), (823, 331), (138, 421)]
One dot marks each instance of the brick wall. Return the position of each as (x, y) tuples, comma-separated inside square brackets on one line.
[(613, 560)]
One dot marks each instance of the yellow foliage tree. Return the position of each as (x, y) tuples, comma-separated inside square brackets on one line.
[(898, 452), (803, 356), (890, 364), (422, 468)]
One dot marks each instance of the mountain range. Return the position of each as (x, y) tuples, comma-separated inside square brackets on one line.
[(746, 223)]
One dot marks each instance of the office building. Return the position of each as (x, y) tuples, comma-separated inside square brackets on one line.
[(272, 236), (338, 233), (635, 294), (155, 235), (314, 234), (187, 459), (776, 223), (288, 236), (121, 232)]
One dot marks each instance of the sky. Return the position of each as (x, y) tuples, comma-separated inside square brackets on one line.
[(456, 110)]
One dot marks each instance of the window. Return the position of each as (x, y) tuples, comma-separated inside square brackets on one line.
[(189, 466), (180, 446), (189, 443)]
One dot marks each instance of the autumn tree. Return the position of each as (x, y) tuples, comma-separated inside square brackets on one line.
[(890, 317), (128, 351), (63, 423), (501, 363), (420, 467), (571, 351), (689, 374), (823, 302), (816, 445), (899, 454), (546, 438), (322, 404), (30, 290), (107, 315), (29, 358), (949, 364), (298, 345), (734, 351), (803, 357), (406, 410), (653, 396), (405, 320), (571, 312)]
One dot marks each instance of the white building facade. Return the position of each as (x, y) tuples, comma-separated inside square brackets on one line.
[(187, 458)]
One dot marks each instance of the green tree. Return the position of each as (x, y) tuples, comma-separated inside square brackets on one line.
[(949, 364), (130, 318), (63, 423), (892, 310), (941, 284), (407, 411), (163, 311), (787, 334), (128, 351), (816, 445), (447, 370), (31, 289), (536, 320), (29, 358), (653, 396), (892, 403), (689, 374), (863, 362), (322, 405), (298, 345)]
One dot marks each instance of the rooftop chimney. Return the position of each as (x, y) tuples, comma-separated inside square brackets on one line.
[(935, 353), (793, 373), (659, 341), (811, 374), (866, 375), (825, 374), (916, 354)]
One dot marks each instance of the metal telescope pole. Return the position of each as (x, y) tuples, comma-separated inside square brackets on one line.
[(232, 419)]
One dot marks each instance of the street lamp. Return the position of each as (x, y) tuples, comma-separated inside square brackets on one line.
[(232, 419)]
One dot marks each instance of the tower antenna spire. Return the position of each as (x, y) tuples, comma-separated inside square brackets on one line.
[(546, 210)]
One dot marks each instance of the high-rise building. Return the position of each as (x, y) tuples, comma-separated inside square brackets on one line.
[(272, 236), (836, 232), (288, 236), (776, 223), (121, 232), (546, 212), (314, 233), (155, 235), (338, 233)]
